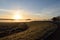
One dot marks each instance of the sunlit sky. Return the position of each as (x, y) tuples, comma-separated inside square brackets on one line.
[(35, 9)]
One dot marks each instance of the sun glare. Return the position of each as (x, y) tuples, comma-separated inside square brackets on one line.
[(17, 15)]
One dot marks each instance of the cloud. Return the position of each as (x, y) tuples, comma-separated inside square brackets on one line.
[(48, 12), (6, 10), (45, 13)]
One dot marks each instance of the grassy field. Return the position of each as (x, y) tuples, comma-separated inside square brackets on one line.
[(36, 30)]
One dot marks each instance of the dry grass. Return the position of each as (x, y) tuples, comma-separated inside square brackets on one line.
[(35, 31)]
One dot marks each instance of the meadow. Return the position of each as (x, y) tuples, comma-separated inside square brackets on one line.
[(35, 30)]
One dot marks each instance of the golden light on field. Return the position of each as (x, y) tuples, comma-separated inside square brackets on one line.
[(17, 15)]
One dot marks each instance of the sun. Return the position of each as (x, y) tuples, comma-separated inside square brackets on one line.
[(17, 15)]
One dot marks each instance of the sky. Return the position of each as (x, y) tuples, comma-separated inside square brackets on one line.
[(35, 9)]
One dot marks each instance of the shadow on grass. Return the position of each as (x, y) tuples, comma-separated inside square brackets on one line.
[(56, 34), (9, 31)]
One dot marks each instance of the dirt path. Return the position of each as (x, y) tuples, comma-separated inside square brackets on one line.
[(56, 34)]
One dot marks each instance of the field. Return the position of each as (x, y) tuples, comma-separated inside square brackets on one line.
[(36, 30)]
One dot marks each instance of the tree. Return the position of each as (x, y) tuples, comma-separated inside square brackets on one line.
[(54, 19)]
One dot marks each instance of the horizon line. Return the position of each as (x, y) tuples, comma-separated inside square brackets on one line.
[(13, 19)]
